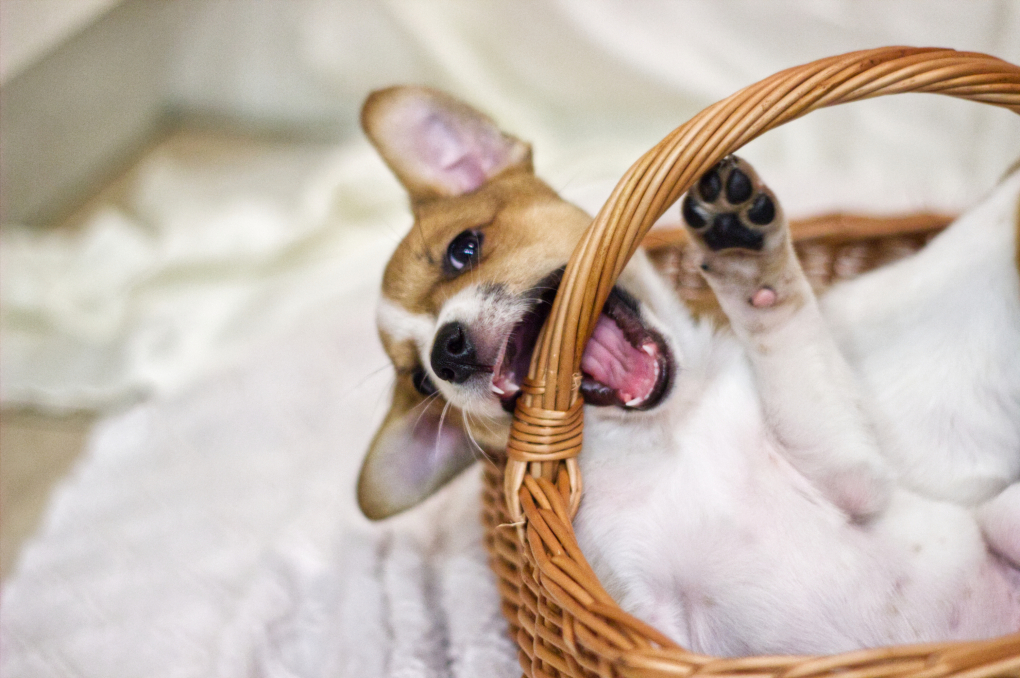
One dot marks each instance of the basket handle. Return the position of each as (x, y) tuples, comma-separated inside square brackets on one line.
[(548, 421)]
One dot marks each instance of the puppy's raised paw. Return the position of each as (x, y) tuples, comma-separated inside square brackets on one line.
[(730, 208), (737, 223)]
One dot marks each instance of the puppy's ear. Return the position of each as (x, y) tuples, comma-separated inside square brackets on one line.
[(438, 146), (411, 456)]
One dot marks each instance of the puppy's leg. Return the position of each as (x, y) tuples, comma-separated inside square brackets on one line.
[(999, 519), (809, 396)]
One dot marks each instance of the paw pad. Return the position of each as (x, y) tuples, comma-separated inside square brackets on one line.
[(709, 186), (728, 231), (738, 187), (764, 298), (762, 211), (730, 208)]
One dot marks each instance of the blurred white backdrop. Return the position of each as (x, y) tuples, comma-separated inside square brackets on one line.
[(591, 83), (228, 290)]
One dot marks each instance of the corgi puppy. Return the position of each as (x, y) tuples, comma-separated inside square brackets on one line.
[(819, 476)]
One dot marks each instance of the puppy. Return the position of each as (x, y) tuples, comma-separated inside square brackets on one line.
[(823, 475)]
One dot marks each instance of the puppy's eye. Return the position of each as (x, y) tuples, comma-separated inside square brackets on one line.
[(421, 381), (464, 252)]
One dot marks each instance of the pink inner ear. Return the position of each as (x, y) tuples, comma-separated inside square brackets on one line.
[(432, 450), (411, 458), (459, 154)]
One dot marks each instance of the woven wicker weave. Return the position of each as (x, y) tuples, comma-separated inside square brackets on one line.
[(563, 620)]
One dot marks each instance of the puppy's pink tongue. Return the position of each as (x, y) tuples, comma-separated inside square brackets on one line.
[(612, 361)]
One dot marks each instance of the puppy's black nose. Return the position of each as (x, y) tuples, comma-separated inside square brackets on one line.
[(453, 354)]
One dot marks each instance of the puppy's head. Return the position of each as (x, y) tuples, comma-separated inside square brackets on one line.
[(466, 292)]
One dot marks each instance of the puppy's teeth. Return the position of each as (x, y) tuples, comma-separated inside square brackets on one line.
[(649, 349), (497, 390), (635, 402)]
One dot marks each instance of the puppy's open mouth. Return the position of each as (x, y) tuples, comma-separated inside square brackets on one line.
[(625, 363)]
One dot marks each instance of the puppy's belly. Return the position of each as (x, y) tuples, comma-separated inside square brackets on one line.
[(933, 340), (709, 535)]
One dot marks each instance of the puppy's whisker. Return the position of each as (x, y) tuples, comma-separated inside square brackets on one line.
[(394, 233), (566, 184), (356, 389), (372, 374), (424, 243), (428, 400), (480, 366), (379, 399), (439, 429), (483, 421), (488, 424), (424, 406), (471, 437)]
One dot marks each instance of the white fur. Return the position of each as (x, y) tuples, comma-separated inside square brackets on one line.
[(935, 342), (399, 324), (798, 491), (490, 315), (700, 523)]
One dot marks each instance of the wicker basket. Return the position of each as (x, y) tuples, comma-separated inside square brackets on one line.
[(563, 620)]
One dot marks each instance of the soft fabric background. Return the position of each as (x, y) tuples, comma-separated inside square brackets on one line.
[(220, 307)]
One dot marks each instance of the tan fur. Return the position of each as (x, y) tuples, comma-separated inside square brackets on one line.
[(528, 231)]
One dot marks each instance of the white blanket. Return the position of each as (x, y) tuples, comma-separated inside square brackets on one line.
[(215, 534), (210, 528)]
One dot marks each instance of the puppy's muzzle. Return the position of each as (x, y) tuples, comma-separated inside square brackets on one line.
[(453, 355)]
